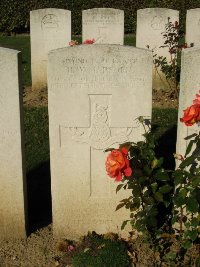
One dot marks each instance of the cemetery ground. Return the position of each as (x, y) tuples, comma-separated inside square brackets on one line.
[(40, 249)]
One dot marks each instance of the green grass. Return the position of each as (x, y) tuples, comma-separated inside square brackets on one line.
[(102, 253), (36, 136)]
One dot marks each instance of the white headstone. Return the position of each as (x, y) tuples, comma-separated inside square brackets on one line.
[(12, 175), (193, 27), (95, 94), (105, 25), (49, 29), (189, 87), (151, 24)]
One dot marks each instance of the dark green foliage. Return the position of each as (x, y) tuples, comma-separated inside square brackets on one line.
[(15, 14)]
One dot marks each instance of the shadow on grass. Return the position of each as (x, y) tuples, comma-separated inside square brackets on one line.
[(39, 197), (166, 146)]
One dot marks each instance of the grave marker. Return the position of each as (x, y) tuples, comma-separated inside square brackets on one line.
[(193, 27), (13, 203), (150, 25), (50, 29), (105, 25), (189, 87), (95, 94)]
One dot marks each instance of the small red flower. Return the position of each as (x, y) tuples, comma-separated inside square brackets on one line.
[(117, 164), (88, 41)]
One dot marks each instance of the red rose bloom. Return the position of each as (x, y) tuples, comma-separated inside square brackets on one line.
[(191, 114), (117, 164)]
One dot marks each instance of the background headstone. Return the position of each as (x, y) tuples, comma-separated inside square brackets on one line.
[(193, 27), (95, 94), (49, 29), (150, 25), (189, 87), (12, 175), (105, 25)]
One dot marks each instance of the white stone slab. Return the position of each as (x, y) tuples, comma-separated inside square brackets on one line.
[(193, 27), (49, 29), (95, 94), (150, 25), (189, 87), (105, 25), (12, 175)]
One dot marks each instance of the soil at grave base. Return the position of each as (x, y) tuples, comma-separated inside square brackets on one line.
[(40, 249), (39, 98)]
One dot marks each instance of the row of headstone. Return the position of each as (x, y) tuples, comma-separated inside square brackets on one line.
[(51, 29), (95, 94)]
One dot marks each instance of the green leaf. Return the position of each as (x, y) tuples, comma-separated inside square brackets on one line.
[(194, 222), (171, 255), (136, 190), (160, 162), (162, 175), (183, 192), (192, 205), (189, 147), (165, 189), (119, 206), (190, 136), (196, 180), (178, 177), (158, 196), (188, 161), (119, 187), (154, 187), (124, 224), (192, 234), (187, 244)]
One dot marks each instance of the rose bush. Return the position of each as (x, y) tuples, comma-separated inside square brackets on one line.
[(164, 203)]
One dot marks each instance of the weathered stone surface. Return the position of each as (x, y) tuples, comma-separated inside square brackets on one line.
[(105, 25), (150, 25), (12, 176), (49, 29), (95, 94), (193, 27), (189, 87)]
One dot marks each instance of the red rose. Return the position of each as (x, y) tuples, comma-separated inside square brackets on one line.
[(191, 114), (117, 164)]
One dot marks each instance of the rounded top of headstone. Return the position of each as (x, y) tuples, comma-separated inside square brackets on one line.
[(156, 10), (102, 10), (193, 10), (49, 10), (104, 48), (9, 51)]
